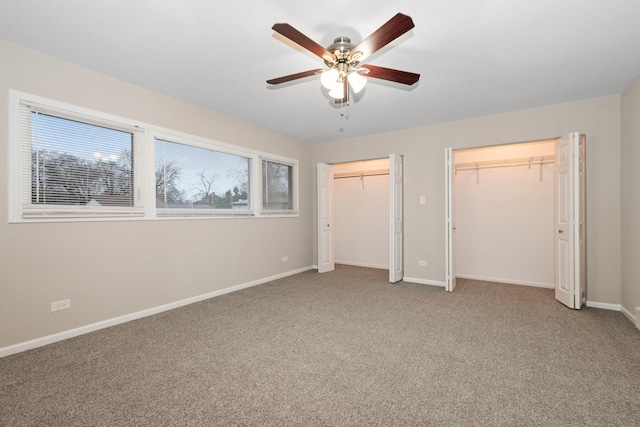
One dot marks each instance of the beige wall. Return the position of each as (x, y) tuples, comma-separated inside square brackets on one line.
[(630, 177), (423, 151), (111, 269)]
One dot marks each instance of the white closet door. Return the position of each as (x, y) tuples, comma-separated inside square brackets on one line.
[(450, 222), (325, 218), (396, 238), (569, 221)]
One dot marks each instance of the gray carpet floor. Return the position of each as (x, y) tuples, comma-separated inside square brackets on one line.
[(343, 348)]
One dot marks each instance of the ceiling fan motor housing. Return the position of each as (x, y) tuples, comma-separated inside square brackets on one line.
[(341, 48)]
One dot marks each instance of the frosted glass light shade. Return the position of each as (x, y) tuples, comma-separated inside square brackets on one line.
[(329, 78), (357, 81), (337, 91)]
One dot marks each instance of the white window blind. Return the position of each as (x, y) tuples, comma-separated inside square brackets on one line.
[(193, 180), (78, 166), (277, 187)]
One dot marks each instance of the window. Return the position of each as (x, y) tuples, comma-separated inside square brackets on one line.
[(195, 180), (277, 186), (70, 163), (76, 166)]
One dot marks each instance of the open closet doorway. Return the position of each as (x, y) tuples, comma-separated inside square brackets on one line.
[(360, 218), (516, 215)]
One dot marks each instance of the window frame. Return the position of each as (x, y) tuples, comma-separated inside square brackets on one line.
[(143, 171), (207, 145), (20, 178), (294, 182)]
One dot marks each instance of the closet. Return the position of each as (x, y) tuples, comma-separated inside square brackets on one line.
[(504, 210), (361, 213)]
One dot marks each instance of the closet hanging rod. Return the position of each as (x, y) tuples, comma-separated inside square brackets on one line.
[(523, 161), (375, 172)]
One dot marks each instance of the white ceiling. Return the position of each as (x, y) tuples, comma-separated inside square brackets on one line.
[(475, 57)]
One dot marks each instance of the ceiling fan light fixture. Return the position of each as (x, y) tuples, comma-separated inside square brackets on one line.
[(329, 78), (357, 81)]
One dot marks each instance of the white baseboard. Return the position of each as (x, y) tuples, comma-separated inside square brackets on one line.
[(362, 264), (60, 336), (507, 281), (604, 305), (628, 314), (424, 281), (635, 318)]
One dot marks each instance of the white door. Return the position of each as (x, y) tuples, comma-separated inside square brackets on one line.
[(581, 294), (325, 218), (569, 221), (450, 256), (396, 240)]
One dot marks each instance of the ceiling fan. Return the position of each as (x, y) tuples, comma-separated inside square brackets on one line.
[(344, 57)]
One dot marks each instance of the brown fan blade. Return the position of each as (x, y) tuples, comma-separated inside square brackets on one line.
[(388, 32), (297, 37), (295, 76), (404, 77)]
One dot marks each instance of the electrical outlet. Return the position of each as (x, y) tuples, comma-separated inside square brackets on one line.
[(64, 304), (422, 263), (422, 200), (285, 258)]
